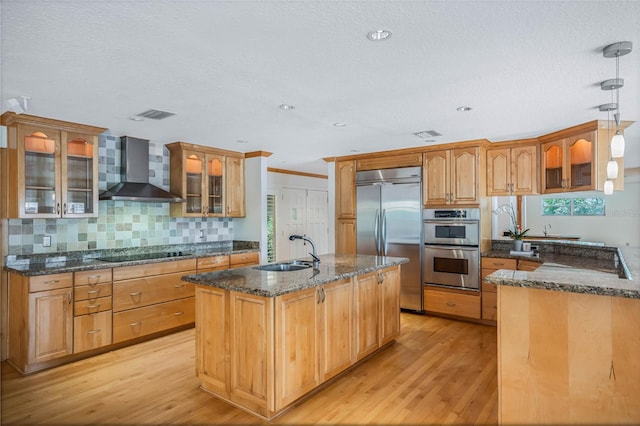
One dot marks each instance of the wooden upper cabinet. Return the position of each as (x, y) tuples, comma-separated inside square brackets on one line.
[(346, 189), (211, 180), (512, 170), (569, 164), (52, 168), (390, 161), (450, 177)]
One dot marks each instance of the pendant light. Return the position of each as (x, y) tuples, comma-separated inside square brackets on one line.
[(612, 165), (616, 50), (608, 187)]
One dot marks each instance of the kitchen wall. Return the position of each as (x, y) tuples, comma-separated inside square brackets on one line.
[(119, 223)]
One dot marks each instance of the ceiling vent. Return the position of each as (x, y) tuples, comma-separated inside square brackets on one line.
[(155, 114), (426, 134)]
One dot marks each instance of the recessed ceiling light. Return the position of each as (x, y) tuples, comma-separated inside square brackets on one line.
[(379, 35), (339, 124), (136, 118), (286, 107), (464, 108)]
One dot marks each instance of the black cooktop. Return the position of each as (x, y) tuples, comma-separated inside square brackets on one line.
[(143, 256)]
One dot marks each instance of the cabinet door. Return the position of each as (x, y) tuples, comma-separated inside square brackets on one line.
[(212, 338), (553, 176), (336, 337), (39, 173), (235, 188), (524, 170), (499, 171), (79, 175), (464, 176), (346, 236), (215, 184), (296, 336), (367, 310), (92, 331), (581, 161), (435, 178), (50, 325), (346, 190), (389, 304), (193, 184)]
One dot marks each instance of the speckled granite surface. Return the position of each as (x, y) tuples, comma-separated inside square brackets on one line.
[(42, 264), (578, 272), (333, 267)]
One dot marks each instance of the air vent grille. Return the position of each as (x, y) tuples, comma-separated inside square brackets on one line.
[(427, 134), (155, 114)]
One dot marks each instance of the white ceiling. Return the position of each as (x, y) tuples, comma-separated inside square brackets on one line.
[(224, 67)]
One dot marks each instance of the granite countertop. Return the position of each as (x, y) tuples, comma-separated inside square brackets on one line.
[(577, 273), (333, 267), (44, 264)]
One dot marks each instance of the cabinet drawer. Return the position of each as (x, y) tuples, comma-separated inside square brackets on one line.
[(147, 291), (498, 263), (213, 263), (50, 282), (150, 269), (489, 287), (92, 292), (464, 305), (92, 277), (91, 331), (151, 319), (92, 306), (527, 265), (489, 306), (244, 259)]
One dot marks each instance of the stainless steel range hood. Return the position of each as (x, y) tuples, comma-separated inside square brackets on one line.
[(134, 185)]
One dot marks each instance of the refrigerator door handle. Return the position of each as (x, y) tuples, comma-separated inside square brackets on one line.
[(384, 232), (376, 235)]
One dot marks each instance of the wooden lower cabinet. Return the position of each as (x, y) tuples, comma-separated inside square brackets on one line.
[(91, 331), (41, 319), (346, 236), (265, 353), (134, 323), (460, 303), (567, 358)]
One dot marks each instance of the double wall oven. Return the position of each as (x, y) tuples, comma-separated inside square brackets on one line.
[(451, 248)]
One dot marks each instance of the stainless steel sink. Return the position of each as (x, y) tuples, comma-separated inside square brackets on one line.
[(295, 265)]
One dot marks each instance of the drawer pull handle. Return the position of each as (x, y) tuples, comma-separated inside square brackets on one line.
[(93, 331), (178, 285), (136, 293), (451, 304), (93, 291), (134, 324), (52, 282), (177, 314), (499, 264), (93, 306)]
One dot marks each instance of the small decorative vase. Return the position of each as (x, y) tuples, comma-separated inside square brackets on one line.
[(517, 245)]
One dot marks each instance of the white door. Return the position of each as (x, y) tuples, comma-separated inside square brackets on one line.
[(301, 212)]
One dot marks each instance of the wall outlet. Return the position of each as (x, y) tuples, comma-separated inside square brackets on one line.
[(202, 234), (46, 241)]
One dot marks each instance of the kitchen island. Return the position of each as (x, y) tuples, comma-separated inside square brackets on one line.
[(568, 344), (265, 339)]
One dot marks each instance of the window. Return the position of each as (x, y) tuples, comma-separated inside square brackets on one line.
[(585, 206), (271, 228)]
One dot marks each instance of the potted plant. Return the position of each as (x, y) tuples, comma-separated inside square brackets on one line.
[(516, 233)]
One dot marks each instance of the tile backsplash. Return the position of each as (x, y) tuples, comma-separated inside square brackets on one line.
[(120, 224)]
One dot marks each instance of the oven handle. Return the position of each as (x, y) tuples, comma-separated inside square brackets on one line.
[(449, 222), (439, 247)]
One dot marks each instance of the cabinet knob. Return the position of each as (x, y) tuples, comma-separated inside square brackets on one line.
[(93, 331)]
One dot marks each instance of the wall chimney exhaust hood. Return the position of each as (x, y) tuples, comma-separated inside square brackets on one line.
[(134, 185)]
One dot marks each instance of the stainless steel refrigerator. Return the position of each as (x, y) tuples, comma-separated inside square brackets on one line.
[(390, 224)]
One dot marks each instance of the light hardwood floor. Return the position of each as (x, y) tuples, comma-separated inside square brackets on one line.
[(439, 371)]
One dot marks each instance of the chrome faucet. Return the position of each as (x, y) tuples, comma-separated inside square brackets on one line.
[(545, 229), (314, 253)]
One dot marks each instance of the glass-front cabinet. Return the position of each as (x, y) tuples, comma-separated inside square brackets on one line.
[(210, 179), (52, 168), (568, 164)]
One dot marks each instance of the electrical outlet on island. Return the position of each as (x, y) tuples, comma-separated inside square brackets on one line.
[(46, 241)]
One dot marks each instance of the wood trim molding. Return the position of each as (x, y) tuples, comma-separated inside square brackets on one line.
[(9, 118), (206, 149), (253, 154), (293, 172)]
